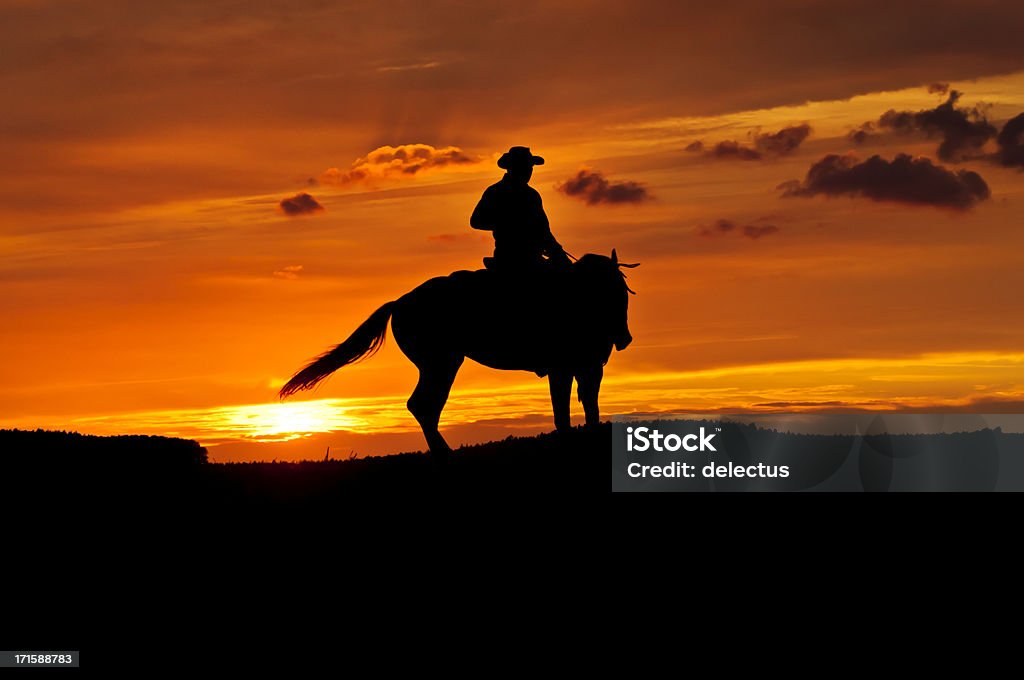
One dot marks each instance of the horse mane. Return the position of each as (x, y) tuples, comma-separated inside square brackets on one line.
[(595, 262)]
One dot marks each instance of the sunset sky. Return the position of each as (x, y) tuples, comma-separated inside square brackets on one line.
[(162, 274)]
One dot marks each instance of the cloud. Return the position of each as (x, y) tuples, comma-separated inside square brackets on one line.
[(409, 67), (862, 133), (756, 231), (915, 181), (300, 204), (592, 187), (773, 144), (456, 238), (964, 131), (655, 60), (1011, 143), (719, 227), (290, 273), (734, 150), (783, 142), (405, 160), (722, 227)]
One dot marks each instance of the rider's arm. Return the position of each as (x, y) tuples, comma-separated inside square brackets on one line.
[(551, 247), (483, 215)]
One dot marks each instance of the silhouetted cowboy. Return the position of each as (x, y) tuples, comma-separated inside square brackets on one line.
[(513, 211)]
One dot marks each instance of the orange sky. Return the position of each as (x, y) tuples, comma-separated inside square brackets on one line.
[(150, 282)]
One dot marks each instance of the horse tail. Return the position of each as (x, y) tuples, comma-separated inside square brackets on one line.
[(362, 344)]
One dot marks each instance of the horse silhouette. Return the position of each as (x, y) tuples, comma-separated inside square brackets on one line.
[(559, 323)]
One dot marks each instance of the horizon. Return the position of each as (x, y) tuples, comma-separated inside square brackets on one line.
[(162, 273), (857, 425)]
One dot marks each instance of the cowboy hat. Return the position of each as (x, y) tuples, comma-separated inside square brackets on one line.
[(519, 155)]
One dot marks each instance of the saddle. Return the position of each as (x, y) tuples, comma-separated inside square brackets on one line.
[(541, 268), (528, 308), (535, 295)]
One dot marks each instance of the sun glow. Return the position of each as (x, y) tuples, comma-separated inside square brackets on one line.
[(270, 422), (969, 381), (285, 421)]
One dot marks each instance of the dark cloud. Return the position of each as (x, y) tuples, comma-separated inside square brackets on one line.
[(719, 227), (756, 231), (722, 227), (300, 204), (862, 133), (732, 149), (915, 181), (783, 142), (963, 131), (592, 187), (766, 144), (404, 160), (1011, 143)]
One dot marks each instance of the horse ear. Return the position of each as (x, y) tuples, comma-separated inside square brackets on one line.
[(615, 257)]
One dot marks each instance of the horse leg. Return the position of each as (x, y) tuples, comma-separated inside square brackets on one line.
[(429, 397), (589, 381), (561, 389)]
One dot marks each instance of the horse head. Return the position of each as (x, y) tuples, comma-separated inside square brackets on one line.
[(605, 283)]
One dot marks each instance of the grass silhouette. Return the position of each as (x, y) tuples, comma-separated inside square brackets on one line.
[(57, 473)]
